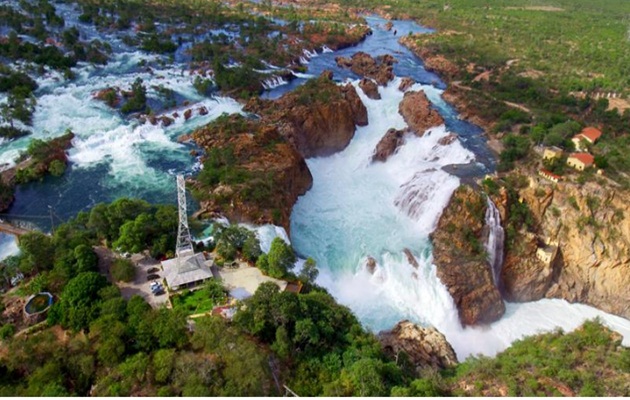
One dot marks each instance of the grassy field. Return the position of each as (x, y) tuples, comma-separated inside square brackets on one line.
[(574, 44)]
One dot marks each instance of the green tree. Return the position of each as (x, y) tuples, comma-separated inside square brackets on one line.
[(163, 361), (281, 258), (56, 168), (37, 252), (309, 271), (80, 302), (86, 259)]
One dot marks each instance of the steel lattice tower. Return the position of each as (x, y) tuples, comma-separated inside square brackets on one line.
[(184, 242)]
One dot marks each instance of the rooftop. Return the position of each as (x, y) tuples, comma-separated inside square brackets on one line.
[(192, 268), (585, 158), (589, 133)]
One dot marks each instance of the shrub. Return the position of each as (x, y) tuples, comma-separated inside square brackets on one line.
[(123, 270), (57, 168), (7, 331)]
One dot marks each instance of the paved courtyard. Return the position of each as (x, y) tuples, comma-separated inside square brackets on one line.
[(140, 285), (243, 280)]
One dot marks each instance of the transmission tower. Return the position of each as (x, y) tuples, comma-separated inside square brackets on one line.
[(184, 243)]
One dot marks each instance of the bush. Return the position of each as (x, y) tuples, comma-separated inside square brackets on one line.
[(123, 270), (57, 168), (7, 331)]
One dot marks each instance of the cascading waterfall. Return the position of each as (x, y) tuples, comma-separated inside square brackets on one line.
[(495, 241), (273, 82), (357, 209)]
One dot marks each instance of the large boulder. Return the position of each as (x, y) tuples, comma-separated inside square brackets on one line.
[(370, 89), (425, 347), (405, 84), (459, 256), (388, 145), (418, 113)]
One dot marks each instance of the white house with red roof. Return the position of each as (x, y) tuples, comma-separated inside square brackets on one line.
[(580, 161), (588, 135)]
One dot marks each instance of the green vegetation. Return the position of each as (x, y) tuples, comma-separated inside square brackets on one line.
[(123, 270), (100, 344), (201, 300), (587, 362), (279, 261), (234, 241), (44, 157), (137, 101)]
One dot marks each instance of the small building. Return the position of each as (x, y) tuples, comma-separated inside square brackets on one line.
[(294, 287), (580, 161), (549, 175), (552, 152), (547, 253), (187, 270), (588, 135)]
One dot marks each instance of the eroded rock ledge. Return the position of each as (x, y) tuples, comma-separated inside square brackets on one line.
[(426, 347), (254, 169), (589, 225), (418, 112), (460, 258), (380, 68)]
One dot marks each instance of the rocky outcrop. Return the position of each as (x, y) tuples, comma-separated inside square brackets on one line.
[(592, 265), (380, 68), (109, 96), (432, 61), (318, 118), (388, 145), (418, 112), (370, 89), (255, 175), (405, 84), (448, 139), (370, 264), (466, 106), (425, 347), (460, 258)]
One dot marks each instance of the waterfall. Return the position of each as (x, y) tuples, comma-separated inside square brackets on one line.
[(273, 82), (495, 241)]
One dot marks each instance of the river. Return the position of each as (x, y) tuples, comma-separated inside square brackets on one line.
[(350, 213)]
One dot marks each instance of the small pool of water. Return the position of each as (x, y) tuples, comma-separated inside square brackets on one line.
[(39, 303)]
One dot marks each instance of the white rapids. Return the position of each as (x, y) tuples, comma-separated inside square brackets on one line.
[(357, 209)]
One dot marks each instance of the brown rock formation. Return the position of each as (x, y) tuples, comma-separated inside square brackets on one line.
[(432, 61), (466, 106), (418, 112), (106, 95), (379, 69), (187, 114), (388, 145), (258, 177), (370, 264), (370, 89), (460, 259), (589, 223), (448, 139), (426, 347), (405, 84), (319, 118), (410, 258)]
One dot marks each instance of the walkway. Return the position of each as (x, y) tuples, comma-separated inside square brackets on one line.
[(6, 227)]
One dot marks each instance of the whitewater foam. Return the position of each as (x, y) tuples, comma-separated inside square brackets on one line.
[(357, 209)]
